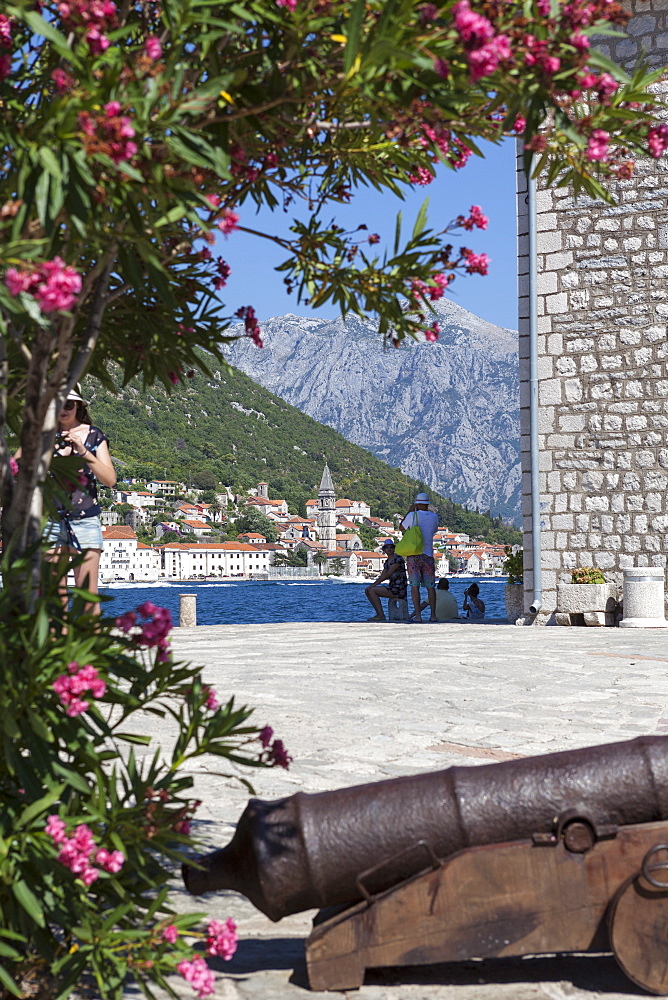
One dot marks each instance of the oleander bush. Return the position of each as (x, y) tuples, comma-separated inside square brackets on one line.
[(513, 565), (94, 817)]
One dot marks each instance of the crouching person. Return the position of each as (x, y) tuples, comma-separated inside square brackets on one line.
[(392, 582)]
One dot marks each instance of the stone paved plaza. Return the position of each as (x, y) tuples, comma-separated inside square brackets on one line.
[(362, 702)]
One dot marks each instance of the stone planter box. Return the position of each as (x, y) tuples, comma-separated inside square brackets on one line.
[(586, 604), (514, 595)]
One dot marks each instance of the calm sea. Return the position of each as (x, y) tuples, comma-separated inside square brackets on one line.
[(258, 602)]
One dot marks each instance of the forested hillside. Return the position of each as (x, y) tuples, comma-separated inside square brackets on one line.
[(226, 428)]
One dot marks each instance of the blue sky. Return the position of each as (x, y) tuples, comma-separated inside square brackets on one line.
[(489, 182)]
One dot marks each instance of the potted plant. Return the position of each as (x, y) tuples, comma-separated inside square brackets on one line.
[(587, 600), (513, 567)]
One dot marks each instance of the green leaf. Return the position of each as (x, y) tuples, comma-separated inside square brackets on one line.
[(46, 30), (9, 983), (421, 220), (28, 900), (134, 738), (50, 163), (353, 34), (72, 778), (41, 805)]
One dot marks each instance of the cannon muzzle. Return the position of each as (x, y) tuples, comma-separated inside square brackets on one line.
[(309, 851)]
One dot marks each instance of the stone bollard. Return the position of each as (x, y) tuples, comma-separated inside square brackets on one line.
[(188, 611), (397, 611), (643, 598)]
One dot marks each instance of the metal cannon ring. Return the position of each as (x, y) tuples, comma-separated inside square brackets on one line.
[(646, 868)]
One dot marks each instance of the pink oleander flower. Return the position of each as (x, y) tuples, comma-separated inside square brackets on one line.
[(152, 47), (441, 68), (486, 59), (657, 140), (126, 621), (476, 263), (5, 66), (78, 680), (62, 80), (199, 975), (111, 861), (579, 41), (520, 125), (21, 281), (13, 466), (265, 736), (423, 176), (112, 108), (229, 222), (289, 4), (544, 7), (170, 933), (606, 85), (59, 288), (213, 200), (432, 332), (97, 41), (476, 218), (551, 64), (211, 702), (278, 755), (427, 12), (472, 28), (252, 327), (55, 828), (599, 146), (587, 80), (224, 271), (221, 939), (5, 31)]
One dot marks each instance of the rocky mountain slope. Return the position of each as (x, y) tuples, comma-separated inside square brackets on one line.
[(446, 413)]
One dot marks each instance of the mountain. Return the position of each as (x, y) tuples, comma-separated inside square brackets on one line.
[(224, 427), (446, 413)]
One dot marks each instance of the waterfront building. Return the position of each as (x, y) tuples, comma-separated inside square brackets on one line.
[(181, 560), (124, 558)]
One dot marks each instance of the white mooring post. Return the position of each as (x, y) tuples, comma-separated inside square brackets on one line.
[(643, 598), (188, 610)]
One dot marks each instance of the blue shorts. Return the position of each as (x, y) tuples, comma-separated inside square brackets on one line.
[(421, 571), (86, 530)]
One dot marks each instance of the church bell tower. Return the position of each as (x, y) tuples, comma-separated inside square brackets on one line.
[(327, 511)]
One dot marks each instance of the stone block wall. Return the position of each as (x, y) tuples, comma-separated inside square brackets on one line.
[(603, 362)]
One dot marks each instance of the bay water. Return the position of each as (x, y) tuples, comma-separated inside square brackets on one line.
[(238, 602)]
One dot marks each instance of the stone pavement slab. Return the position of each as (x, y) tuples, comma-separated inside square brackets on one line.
[(363, 702)]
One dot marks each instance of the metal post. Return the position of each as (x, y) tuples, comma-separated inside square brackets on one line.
[(533, 396)]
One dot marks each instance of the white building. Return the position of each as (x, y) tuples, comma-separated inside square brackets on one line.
[(124, 558), (181, 560), (168, 487)]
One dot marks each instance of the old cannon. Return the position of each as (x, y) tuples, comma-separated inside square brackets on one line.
[(557, 853)]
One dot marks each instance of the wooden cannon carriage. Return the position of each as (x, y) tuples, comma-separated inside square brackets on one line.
[(580, 889)]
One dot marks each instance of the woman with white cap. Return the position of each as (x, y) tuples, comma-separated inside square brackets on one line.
[(77, 527)]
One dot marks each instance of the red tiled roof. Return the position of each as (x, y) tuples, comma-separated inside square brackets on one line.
[(117, 531)]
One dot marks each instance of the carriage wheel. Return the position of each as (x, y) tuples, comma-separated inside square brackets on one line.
[(638, 923)]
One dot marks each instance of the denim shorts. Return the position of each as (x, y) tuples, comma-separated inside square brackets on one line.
[(421, 571), (86, 530)]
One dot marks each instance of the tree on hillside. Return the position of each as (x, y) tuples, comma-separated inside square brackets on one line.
[(254, 520)]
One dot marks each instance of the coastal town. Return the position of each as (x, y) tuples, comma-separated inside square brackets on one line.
[(163, 530)]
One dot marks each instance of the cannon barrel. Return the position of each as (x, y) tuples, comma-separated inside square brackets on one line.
[(308, 851)]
